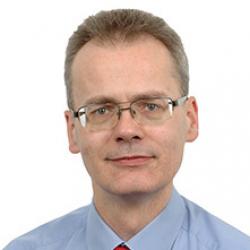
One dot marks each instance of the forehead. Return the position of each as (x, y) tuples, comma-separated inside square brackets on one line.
[(122, 69)]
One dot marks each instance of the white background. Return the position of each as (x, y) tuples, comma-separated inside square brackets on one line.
[(41, 180)]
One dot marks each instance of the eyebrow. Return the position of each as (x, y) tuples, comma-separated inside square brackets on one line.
[(148, 94), (108, 99), (100, 99)]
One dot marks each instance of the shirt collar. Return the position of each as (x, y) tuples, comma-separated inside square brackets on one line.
[(98, 234), (160, 233)]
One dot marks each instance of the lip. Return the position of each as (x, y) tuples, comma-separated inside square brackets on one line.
[(134, 160)]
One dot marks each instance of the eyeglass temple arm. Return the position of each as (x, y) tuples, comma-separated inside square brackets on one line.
[(77, 114), (180, 101)]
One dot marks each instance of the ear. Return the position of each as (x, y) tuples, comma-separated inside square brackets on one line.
[(192, 118), (73, 146)]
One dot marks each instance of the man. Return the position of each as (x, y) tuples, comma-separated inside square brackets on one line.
[(129, 116)]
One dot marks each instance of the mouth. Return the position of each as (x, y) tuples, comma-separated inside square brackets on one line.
[(134, 160)]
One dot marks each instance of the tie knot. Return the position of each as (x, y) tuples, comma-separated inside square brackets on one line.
[(121, 247)]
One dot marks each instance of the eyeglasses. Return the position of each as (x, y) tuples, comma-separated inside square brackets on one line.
[(148, 111)]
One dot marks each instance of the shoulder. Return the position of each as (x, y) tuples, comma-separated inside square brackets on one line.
[(210, 231), (56, 232)]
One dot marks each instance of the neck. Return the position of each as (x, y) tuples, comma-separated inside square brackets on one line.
[(128, 214)]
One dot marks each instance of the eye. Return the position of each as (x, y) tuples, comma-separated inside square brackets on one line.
[(101, 110), (151, 106)]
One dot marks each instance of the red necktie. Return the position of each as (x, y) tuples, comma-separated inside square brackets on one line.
[(121, 247)]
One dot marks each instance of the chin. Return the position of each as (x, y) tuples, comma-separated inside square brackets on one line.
[(135, 189)]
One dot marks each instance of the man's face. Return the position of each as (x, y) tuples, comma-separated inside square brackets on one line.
[(130, 158)]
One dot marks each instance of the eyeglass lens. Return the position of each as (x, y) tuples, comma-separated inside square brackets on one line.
[(151, 111)]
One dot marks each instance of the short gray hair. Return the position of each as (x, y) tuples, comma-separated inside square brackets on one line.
[(124, 25)]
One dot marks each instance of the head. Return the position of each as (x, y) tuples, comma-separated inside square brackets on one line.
[(120, 56)]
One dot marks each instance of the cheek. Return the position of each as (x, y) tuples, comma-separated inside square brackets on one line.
[(172, 150), (170, 144), (92, 147), (172, 156), (170, 137)]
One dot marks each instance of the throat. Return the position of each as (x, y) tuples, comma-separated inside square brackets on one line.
[(128, 215)]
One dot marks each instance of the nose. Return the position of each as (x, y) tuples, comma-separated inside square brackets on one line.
[(127, 129)]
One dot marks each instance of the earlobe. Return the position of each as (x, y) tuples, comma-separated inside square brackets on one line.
[(192, 117), (73, 146)]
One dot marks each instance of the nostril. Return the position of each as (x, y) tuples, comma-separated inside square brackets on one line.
[(128, 139), (119, 139), (136, 137)]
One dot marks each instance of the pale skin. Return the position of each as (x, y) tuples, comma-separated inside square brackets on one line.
[(132, 165)]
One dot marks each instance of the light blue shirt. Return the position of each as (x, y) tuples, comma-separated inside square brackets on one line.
[(182, 225)]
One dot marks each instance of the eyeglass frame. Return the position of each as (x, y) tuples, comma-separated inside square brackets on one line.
[(174, 103)]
